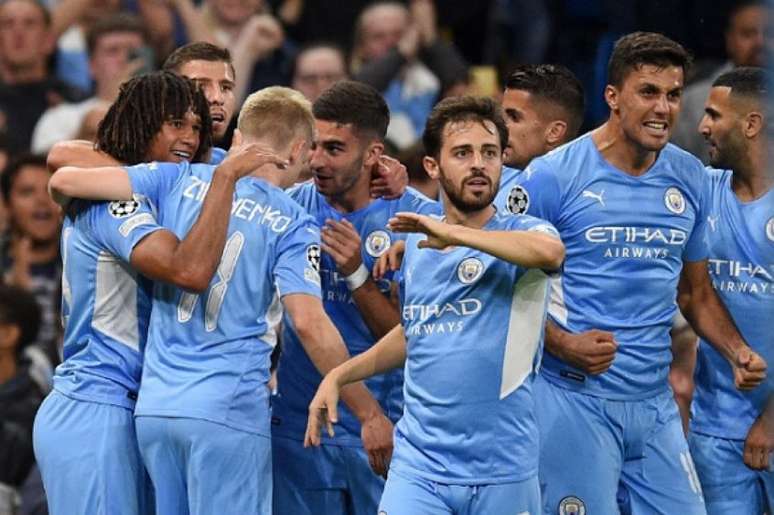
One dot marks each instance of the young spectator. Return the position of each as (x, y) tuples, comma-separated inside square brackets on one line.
[(30, 254)]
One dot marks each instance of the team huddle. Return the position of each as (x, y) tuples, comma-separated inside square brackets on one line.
[(502, 351)]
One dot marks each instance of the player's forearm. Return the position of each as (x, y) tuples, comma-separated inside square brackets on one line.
[(378, 312), (199, 253), (711, 320), (523, 248), (105, 183), (79, 153), (554, 338)]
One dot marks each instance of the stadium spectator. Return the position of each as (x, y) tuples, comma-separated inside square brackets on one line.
[(27, 88), (732, 432), (398, 52), (467, 441), (631, 209), (351, 120), (317, 67), (20, 395), (114, 45), (30, 255), (747, 40)]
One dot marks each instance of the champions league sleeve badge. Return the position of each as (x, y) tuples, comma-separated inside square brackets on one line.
[(518, 200), (674, 201), (377, 243), (123, 208), (313, 257)]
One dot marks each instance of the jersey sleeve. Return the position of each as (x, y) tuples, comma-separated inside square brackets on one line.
[(120, 225), (543, 190), (155, 180), (297, 266), (697, 249)]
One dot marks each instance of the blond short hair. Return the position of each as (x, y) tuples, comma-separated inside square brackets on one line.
[(277, 115)]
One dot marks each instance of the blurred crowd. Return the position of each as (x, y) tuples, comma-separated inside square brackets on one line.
[(62, 63)]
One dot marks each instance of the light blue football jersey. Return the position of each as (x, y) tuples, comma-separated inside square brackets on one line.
[(473, 326), (511, 198), (208, 354), (626, 239), (298, 379), (741, 264), (217, 155), (105, 304)]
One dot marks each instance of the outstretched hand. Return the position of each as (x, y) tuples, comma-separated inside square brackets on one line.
[(439, 234)]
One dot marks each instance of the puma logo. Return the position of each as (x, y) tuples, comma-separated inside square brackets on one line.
[(595, 196)]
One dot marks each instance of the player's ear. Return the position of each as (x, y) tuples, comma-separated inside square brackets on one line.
[(555, 132), (296, 149), (612, 97), (237, 139), (752, 124), (431, 167)]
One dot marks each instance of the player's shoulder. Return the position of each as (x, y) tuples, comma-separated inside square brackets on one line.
[(303, 192), (522, 222), (278, 198), (682, 163), (416, 201), (217, 155), (564, 161)]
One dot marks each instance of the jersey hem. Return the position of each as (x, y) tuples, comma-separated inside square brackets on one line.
[(451, 480), (591, 391), (98, 399), (176, 414)]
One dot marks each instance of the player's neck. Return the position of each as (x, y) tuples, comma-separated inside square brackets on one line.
[(472, 219), (619, 151), (355, 198), (751, 178)]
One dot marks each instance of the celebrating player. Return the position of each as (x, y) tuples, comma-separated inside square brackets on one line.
[(732, 432), (632, 211), (472, 315)]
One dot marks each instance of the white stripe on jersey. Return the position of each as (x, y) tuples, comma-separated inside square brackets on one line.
[(525, 325), (115, 301)]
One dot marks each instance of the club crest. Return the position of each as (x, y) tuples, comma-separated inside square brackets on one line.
[(674, 201), (572, 505), (377, 243), (469, 270), (770, 229)]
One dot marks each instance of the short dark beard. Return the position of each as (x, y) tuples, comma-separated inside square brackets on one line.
[(457, 200)]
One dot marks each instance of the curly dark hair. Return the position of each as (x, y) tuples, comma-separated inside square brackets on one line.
[(143, 105)]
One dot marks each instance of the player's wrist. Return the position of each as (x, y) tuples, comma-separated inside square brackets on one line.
[(357, 278)]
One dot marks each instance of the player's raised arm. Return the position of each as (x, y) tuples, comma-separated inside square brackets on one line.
[(386, 354), (701, 305), (78, 153), (324, 346), (530, 248)]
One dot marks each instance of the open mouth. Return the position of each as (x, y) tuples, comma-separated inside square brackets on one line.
[(218, 117), (42, 215), (657, 128), (182, 154)]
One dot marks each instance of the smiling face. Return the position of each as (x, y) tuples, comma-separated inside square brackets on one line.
[(216, 78), (469, 164), (31, 211), (337, 158), (177, 140), (647, 105)]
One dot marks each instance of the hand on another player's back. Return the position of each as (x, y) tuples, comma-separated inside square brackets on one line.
[(389, 261), (749, 369), (439, 234), (244, 159), (592, 351), (342, 241), (759, 444)]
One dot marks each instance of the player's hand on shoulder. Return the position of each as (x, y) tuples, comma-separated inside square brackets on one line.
[(749, 369), (322, 411), (376, 434), (244, 159), (341, 241), (389, 178), (759, 444), (591, 351), (389, 261)]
